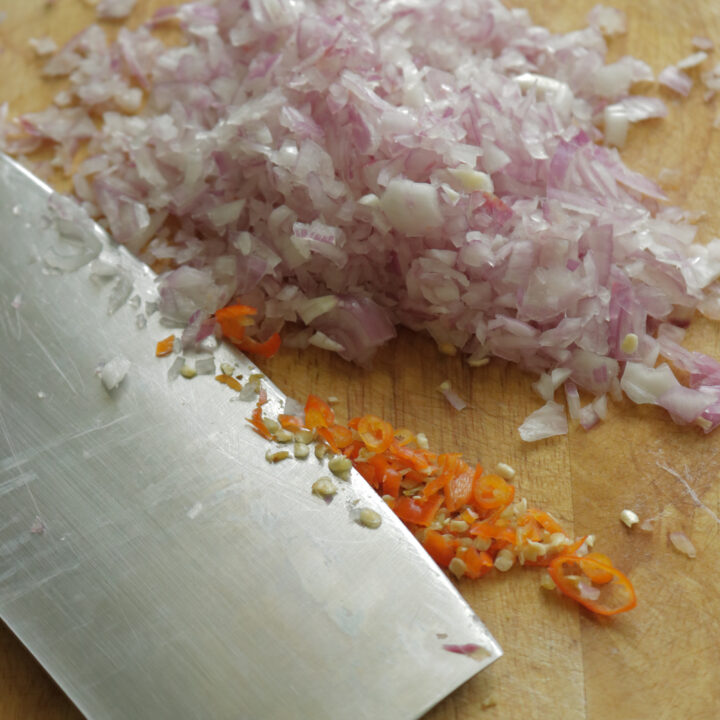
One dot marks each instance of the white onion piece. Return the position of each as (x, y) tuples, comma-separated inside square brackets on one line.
[(411, 207), (674, 79), (113, 372), (643, 384), (610, 21), (114, 9), (700, 42), (588, 590), (43, 46), (543, 386), (120, 292), (205, 365), (451, 396), (572, 397), (600, 406), (692, 61), (547, 421), (640, 107), (616, 123), (681, 542)]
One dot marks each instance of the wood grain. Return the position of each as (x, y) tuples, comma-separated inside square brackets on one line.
[(662, 661)]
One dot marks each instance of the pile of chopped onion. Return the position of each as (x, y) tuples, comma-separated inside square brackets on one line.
[(349, 167)]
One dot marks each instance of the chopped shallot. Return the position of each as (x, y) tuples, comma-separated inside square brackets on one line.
[(692, 61), (115, 9), (451, 396), (113, 372), (546, 422), (681, 542), (43, 46), (674, 79), (436, 166), (610, 21), (703, 43)]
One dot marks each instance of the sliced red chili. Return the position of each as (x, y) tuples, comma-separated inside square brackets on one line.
[(572, 576)]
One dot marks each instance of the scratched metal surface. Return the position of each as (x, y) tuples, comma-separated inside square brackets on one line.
[(172, 572)]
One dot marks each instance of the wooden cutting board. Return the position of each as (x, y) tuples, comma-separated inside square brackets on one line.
[(663, 659)]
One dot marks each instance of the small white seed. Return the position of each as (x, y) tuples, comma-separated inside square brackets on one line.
[(227, 368), (505, 471), (457, 526), (188, 372), (629, 344), (272, 425), (320, 451), (283, 436), (304, 436), (324, 487), (369, 518), (339, 464), (422, 441), (300, 450), (546, 582)]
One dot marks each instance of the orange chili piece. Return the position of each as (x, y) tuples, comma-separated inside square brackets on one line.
[(592, 565), (492, 491), (165, 346), (375, 433), (477, 563), (230, 381), (416, 511), (318, 413), (293, 423), (265, 349), (569, 572), (256, 419), (233, 320), (440, 547)]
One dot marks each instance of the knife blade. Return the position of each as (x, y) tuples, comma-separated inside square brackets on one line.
[(151, 559)]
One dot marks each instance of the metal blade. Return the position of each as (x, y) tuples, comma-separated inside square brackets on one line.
[(152, 559)]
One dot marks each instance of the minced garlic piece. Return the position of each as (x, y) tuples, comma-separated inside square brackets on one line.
[(481, 543), (472, 180), (629, 518), (504, 560), (546, 582), (457, 567), (457, 526)]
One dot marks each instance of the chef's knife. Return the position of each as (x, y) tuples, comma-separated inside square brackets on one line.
[(151, 558)]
